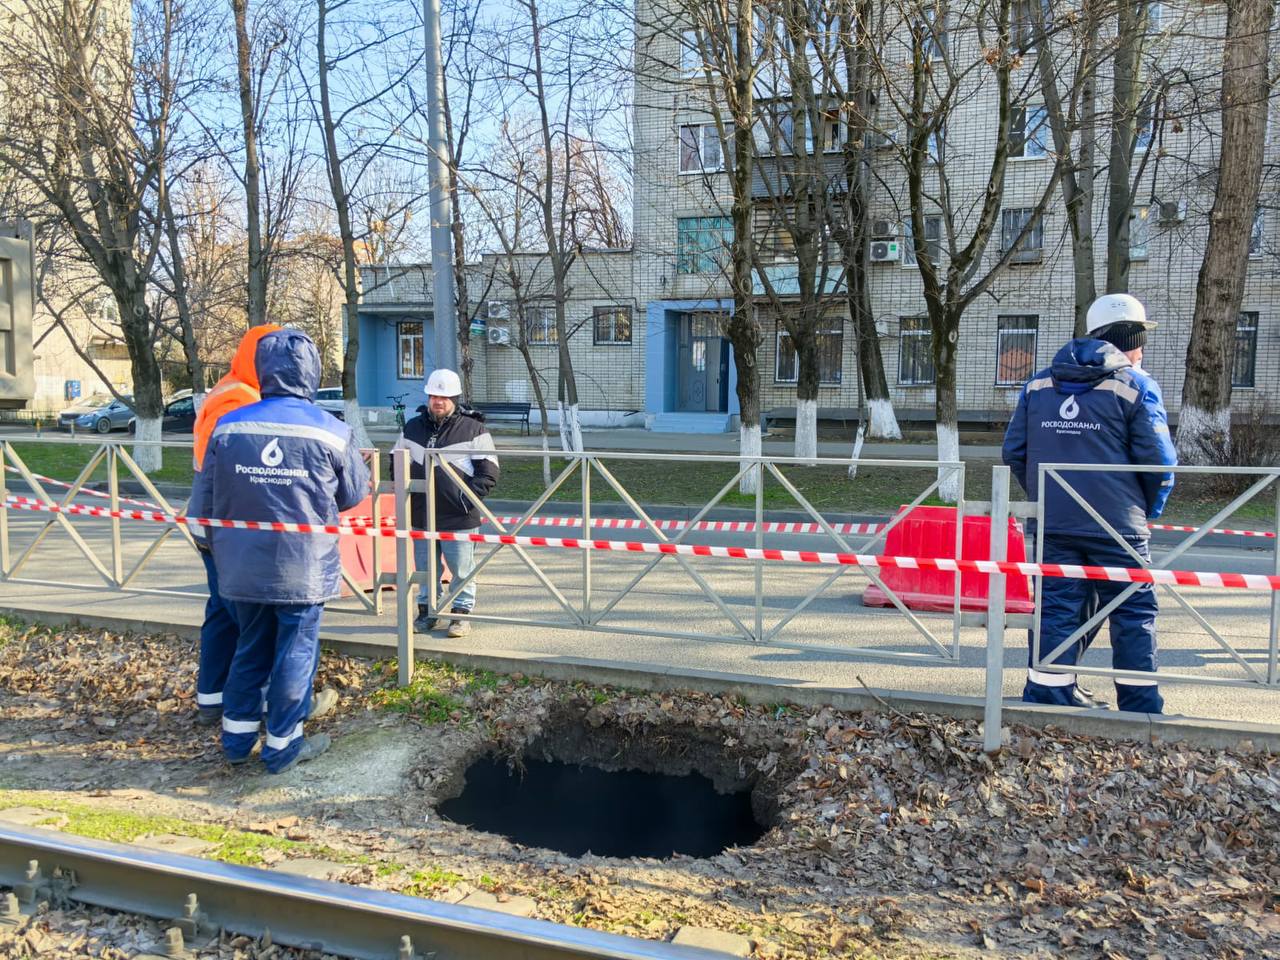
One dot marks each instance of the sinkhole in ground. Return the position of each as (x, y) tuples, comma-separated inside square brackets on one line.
[(614, 794)]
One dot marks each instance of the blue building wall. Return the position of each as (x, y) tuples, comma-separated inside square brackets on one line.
[(378, 367), (660, 353)]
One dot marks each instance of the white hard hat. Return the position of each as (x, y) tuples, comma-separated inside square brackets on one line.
[(1116, 308), (443, 383)]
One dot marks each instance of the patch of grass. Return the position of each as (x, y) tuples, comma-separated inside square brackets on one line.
[(487, 882), (64, 461), (431, 880), (438, 691)]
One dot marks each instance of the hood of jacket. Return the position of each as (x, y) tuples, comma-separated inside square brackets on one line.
[(1085, 362), (244, 363), (288, 365)]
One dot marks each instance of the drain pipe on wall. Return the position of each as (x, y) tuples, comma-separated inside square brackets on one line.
[(991, 736)]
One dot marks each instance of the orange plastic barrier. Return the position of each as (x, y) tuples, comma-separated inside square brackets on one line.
[(931, 532)]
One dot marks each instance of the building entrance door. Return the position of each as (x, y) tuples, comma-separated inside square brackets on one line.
[(702, 365)]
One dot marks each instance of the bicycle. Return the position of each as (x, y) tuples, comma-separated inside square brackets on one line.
[(397, 404)]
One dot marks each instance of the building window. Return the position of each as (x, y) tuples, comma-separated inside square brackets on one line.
[(1245, 357), (933, 28), (1257, 234), (540, 326), (915, 352), (1031, 246), (409, 349), (1029, 133), (1025, 27), (1139, 233), (932, 240), (830, 338), (1144, 127), (690, 53), (612, 325), (1015, 349), (700, 148), (701, 242)]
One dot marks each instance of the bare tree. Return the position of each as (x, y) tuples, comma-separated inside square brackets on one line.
[(1204, 422), (93, 144)]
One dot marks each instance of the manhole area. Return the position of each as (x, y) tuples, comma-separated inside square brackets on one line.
[(579, 790)]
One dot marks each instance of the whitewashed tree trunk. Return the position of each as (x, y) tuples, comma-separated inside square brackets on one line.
[(148, 455), (351, 413), (806, 429), (948, 449), (546, 458), (198, 399), (1201, 432), (749, 445), (859, 436), (884, 422), (570, 427)]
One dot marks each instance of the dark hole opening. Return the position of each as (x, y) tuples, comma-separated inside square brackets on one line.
[(578, 809)]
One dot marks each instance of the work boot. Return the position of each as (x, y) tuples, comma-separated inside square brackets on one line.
[(208, 716), (1082, 697), (425, 621), (312, 747), (322, 703), (458, 628)]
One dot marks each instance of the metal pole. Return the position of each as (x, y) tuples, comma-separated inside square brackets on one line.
[(405, 608), (4, 510), (758, 470), (113, 485), (375, 481), (439, 178), (1273, 656), (587, 534), (995, 609)]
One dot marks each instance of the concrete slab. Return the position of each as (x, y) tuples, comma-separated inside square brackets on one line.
[(516, 906), (730, 944), (314, 868), (174, 843), (33, 817)]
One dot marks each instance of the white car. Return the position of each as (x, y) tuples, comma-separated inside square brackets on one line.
[(330, 399)]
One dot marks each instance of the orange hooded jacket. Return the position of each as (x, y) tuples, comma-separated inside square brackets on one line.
[(235, 390)]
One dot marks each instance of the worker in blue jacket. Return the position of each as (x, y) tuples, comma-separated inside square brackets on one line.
[(1095, 405), (282, 459)]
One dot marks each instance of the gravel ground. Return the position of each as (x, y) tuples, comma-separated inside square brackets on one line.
[(889, 835)]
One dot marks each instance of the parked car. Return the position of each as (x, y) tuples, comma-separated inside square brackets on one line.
[(330, 398), (101, 414), (179, 416)]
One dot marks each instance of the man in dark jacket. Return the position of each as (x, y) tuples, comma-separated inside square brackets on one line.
[(1096, 405), (282, 459), (459, 433)]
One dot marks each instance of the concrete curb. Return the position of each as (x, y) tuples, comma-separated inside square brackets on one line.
[(1104, 724)]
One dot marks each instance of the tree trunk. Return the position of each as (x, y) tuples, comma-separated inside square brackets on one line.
[(944, 404), (181, 299), (342, 207), (1130, 25), (806, 343), (137, 326), (257, 273), (1204, 422)]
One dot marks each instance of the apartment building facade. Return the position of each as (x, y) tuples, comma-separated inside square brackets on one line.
[(678, 366)]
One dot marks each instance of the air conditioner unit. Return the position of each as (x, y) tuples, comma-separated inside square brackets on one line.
[(499, 336), (885, 251), (875, 140), (883, 228), (1173, 211), (498, 310)]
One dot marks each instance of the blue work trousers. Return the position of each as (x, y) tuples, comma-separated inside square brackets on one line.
[(218, 636), (279, 648), (1066, 603)]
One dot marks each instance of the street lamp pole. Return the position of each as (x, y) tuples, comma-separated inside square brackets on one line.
[(439, 172)]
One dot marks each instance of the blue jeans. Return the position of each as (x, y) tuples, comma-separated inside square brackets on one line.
[(460, 556), (279, 643), (1065, 604), (218, 636)]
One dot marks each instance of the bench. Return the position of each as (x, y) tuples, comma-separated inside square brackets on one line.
[(506, 411)]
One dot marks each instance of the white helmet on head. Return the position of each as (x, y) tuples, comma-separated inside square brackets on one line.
[(443, 383), (1116, 308)]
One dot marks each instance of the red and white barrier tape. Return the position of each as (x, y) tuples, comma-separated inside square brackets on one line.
[(1184, 578), (1235, 533), (634, 523), (86, 490)]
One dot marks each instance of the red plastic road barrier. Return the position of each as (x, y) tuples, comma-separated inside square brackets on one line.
[(357, 552), (931, 532)]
